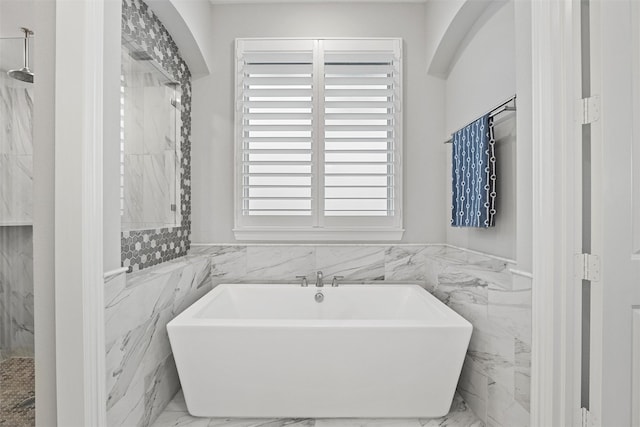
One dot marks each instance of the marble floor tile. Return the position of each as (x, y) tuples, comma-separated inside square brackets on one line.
[(459, 415), (367, 422), (176, 415)]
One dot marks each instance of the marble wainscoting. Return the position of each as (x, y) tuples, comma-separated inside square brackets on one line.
[(16, 292), (495, 380), (141, 374), (496, 376)]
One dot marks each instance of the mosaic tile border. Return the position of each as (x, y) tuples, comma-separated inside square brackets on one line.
[(145, 248)]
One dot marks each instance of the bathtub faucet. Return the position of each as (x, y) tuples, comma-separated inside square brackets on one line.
[(319, 277)]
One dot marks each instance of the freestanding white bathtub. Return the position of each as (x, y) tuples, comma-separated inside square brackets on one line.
[(366, 351)]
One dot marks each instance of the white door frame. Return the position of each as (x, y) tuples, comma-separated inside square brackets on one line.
[(78, 224), (596, 308), (635, 387), (556, 158), (79, 285)]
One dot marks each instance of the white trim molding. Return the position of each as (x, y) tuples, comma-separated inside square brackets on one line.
[(108, 275), (521, 273), (635, 369), (555, 60), (635, 87), (79, 285), (319, 235), (217, 2)]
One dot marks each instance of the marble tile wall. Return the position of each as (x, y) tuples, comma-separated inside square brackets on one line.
[(495, 380), (150, 144), (16, 291), (16, 151), (16, 208), (141, 373)]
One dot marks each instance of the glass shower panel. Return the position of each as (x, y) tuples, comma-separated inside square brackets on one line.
[(16, 239), (150, 143)]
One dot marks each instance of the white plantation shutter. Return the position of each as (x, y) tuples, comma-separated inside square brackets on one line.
[(276, 107), (361, 114), (318, 140)]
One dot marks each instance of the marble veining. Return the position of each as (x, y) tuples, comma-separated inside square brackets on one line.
[(157, 200), (280, 262), (141, 373), (176, 415), (522, 374), (496, 376), (16, 116), (480, 288), (228, 264), (353, 263), (149, 128), (16, 151), (407, 262), (473, 387), (16, 292), (133, 190)]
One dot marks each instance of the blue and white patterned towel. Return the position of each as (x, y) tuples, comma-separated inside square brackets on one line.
[(474, 175)]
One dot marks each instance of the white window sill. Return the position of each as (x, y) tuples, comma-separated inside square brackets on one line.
[(318, 234)]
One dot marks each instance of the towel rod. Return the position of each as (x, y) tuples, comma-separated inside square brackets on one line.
[(500, 108), (111, 273)]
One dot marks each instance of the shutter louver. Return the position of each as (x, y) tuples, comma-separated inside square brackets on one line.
[(360, 107), (277, 128), (318, 139)]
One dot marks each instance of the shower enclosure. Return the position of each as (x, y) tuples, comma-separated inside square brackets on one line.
[(17, 400)]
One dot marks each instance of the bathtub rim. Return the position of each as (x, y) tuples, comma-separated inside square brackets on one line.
[(188, 317)]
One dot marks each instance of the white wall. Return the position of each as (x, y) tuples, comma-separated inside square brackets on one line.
[(524, 166), (16, 14), (41, 19), (43, 218), (212, 118), (439, 16), (451, 24), (111, 147), (188, 23), (484, 76)]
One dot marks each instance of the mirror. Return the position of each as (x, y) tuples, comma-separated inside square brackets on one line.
[(150, 152)]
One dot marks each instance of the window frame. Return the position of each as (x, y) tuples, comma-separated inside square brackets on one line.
[(321, 228)]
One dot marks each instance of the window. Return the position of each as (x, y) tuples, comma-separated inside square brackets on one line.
[(318, 139)]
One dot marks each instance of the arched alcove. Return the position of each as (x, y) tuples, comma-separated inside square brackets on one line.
[(187, 22), (456, 24)]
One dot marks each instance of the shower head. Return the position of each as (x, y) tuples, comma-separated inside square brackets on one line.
[(24, 74)]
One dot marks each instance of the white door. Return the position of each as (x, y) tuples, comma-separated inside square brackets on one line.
[(615, 210)]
